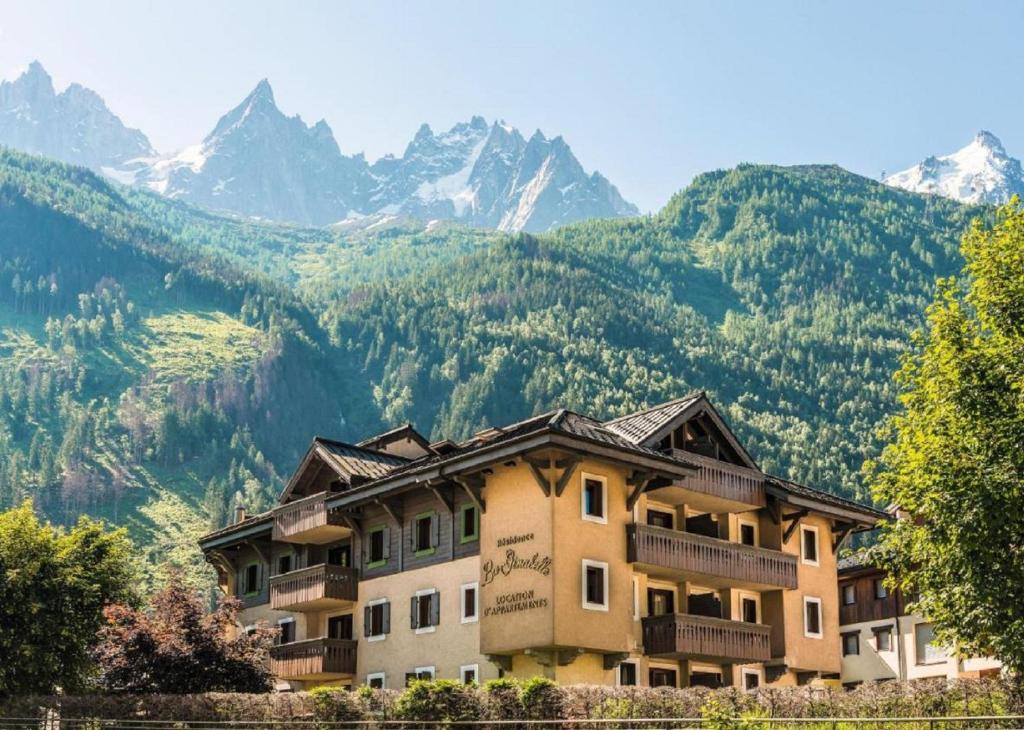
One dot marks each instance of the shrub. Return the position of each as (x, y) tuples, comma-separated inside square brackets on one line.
[(333, 704), (542, 699), (440, 699)]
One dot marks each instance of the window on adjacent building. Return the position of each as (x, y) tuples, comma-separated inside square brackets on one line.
[(812, 617), (851, 644), (595, 499), (809, 545), (379, 539), (470, 602), (340, 627), (469, 673), (880, 589), (748, 533), (928, 652), (660, 601), (849, 594), (751, 679), (340, 555), (883, 638), (284, 563), (287, 626), (748, 610), (627, 674), (469, 524), (595, 585), (425, 533), (658, 677), (423, 673), (660, 518), (425, 610), (377, 619), (251, 579), (377, 680)]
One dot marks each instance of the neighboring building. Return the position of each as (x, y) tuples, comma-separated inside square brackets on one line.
[(880, 640), (646, 550)]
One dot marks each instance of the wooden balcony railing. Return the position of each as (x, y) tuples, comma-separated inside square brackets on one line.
[(692, 553), (313, 658), (727, 481), (316, 587), (293, 519), (707, 638)]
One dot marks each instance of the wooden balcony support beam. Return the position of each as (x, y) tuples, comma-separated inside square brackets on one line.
[(794, 519)]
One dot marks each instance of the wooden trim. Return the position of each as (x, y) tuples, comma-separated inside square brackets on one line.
[(473, 491), (445, 501), (568, 467), (795, 517), (538, 476)]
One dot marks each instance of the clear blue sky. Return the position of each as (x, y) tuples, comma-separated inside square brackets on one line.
[(650, 93)]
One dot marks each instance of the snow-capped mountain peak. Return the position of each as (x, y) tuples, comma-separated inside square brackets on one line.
[(980, 172)]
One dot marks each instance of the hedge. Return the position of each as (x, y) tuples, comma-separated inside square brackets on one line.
[(540, 699)]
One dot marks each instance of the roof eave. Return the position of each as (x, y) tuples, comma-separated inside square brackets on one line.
[(865, 518)]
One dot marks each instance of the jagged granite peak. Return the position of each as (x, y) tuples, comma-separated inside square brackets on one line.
[(73, 126), (981, 172), (259, 162)]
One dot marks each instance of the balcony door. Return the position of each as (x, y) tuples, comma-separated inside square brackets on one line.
[(660, 601), (340, 627)]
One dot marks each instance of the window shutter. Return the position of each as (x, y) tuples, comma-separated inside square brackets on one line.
[(413, 605), (240, 582), (435, 530), (387, 618), (387, 543), (366, 621), (435, 608)]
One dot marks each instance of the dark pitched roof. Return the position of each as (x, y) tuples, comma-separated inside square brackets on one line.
[(640, 426), (255, 521), (360, 461), (561, 421), (818, 495)]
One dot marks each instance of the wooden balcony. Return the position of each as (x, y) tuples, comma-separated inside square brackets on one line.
[(727, 484), (314, 659), (685, 636), (308, 520), (709, 561), (315, 588)]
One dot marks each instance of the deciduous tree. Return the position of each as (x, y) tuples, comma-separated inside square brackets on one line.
[(955, 461), (54, 585), (174, 646)]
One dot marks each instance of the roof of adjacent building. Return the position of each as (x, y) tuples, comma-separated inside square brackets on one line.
[(818, 495)]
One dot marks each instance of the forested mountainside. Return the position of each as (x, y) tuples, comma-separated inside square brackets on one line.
[(139, 379), (158, 362), (787, 293)]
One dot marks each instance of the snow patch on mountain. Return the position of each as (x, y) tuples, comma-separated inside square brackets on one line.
[(981, 172)]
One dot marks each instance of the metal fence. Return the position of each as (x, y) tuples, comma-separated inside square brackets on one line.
[(1004, 722)]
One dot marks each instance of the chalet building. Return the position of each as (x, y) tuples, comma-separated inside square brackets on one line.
[(646, 550), (880, 640)]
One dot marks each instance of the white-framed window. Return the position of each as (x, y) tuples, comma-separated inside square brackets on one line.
[(851, 643), (377, 619), (750, 607), (377, 680), (751, 679), (849, 594), (594, 576), (812, 618), (628, 673), (425, 611), (926, 650), (250, 629), (636, 598), (594, 498), (748, 533), (470, 602), (809, 547), (426, 673), (883, 638), (469, 673), (287, 627)]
